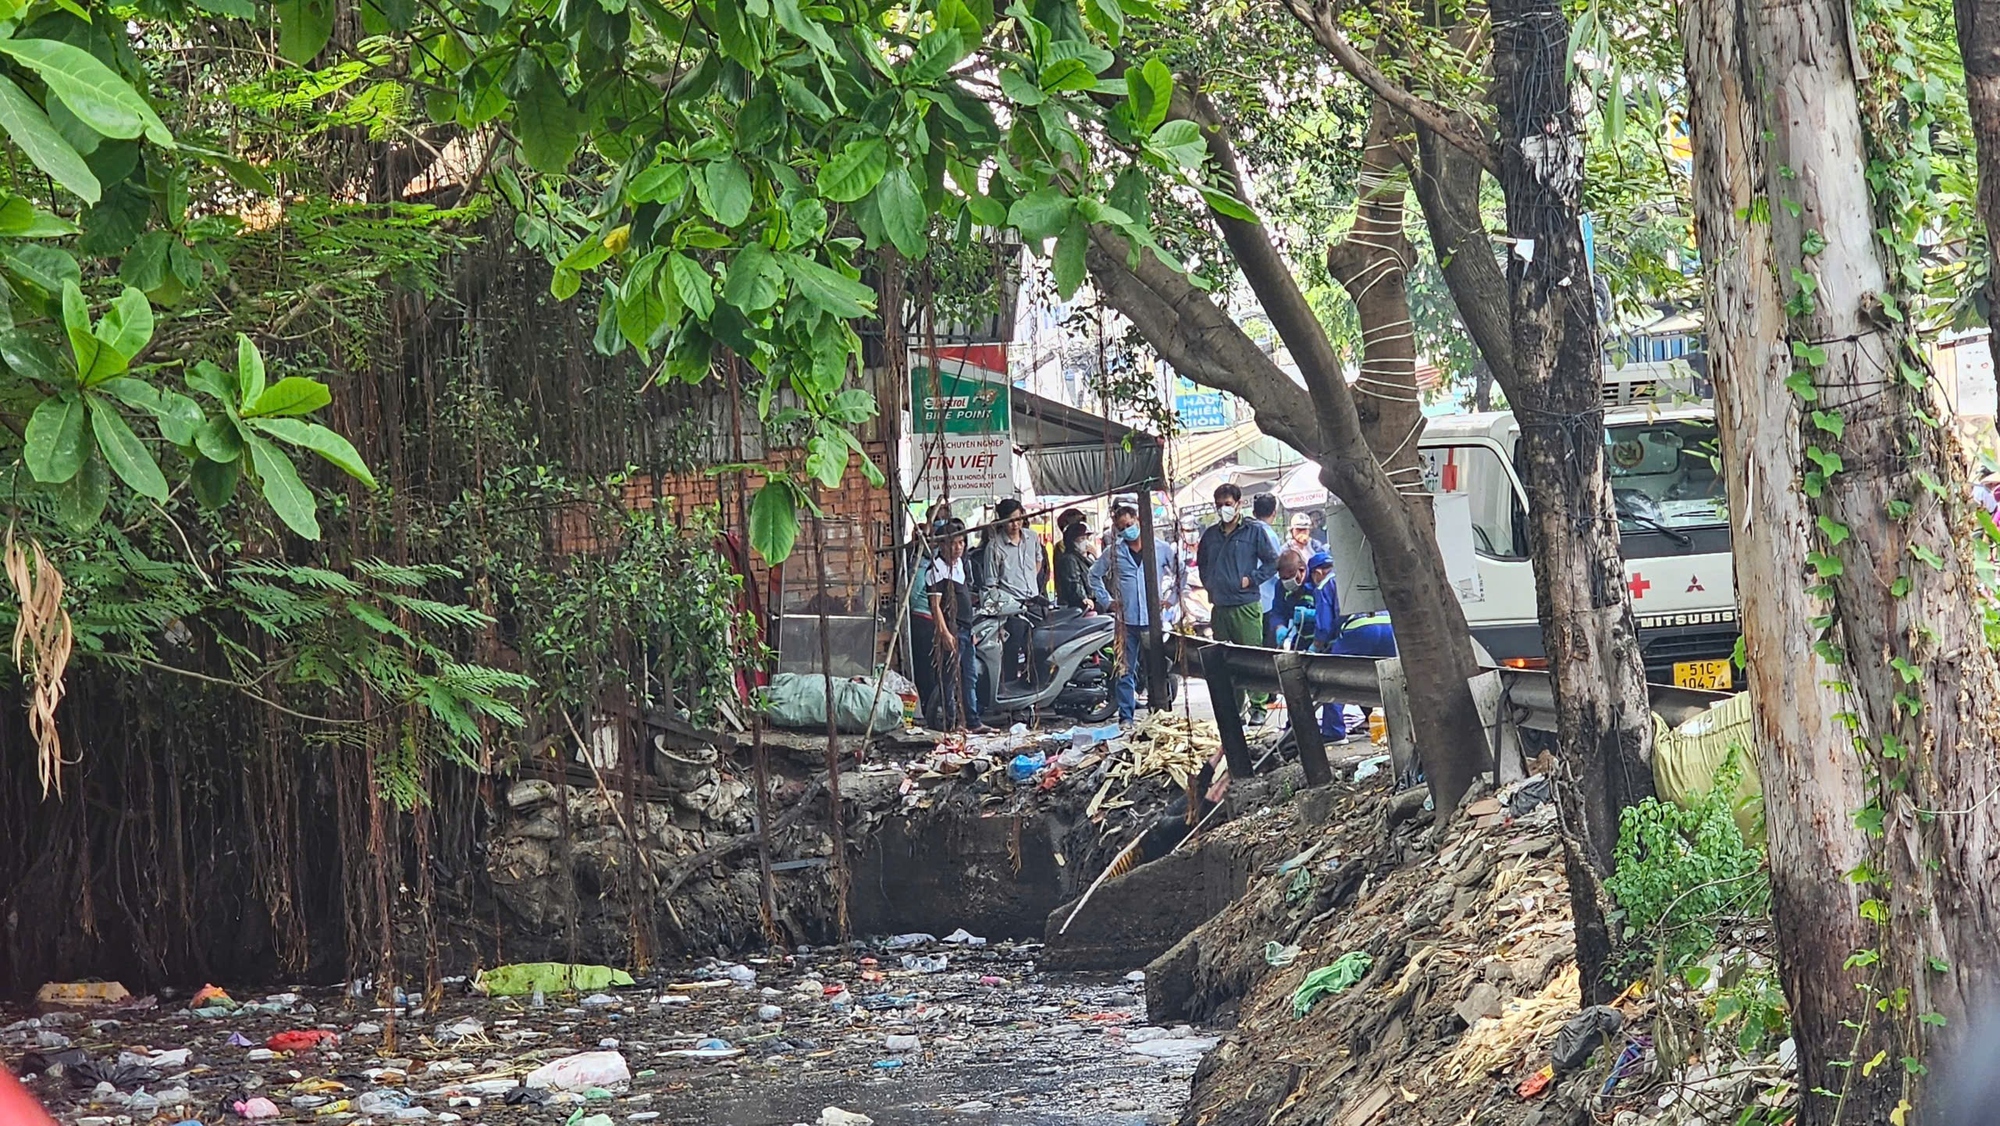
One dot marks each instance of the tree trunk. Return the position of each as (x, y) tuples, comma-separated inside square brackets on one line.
[(1979, 45), (1372, 264), (1184, 325), (1888, 712), (1603, 717), (1447, 179)]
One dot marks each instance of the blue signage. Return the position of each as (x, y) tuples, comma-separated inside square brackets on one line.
[(1203, 410)]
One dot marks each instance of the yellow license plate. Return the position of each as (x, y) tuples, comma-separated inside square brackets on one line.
[(1717, 676)]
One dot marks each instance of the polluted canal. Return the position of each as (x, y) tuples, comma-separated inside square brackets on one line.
[(910, 1029)]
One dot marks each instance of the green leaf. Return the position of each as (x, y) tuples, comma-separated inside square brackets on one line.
[(20, 218), (852, 407), (219, 439), (854, 171), (662, 183), (45, 268), (1149, 92), (291, 395), (1830, 421), (1019, 90), (1180, 143), (89, 89), (29, 128), (754, 280), (304, 26), (127, 326), (54, 444), (1068, 266), (725, 192), (124, 452), (312, 436), (286, 494), (1041, 215), (214, 482), (903, 213), (549, 127), (826, 459), (1228, 206), (249, 370), (1067, 74), (933, 57), (805, 27), (145, 264), (693, 284), (80, 500), (28, 357), (1835, 532), (178, 417), (828, 288), (1106, 17), (774, 521), (205, 376)]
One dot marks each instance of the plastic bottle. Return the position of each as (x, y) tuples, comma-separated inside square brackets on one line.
[(1378, 727), (538, 1001)]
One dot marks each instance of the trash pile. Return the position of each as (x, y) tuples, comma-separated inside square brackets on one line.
[(1399, 969), (957, 1024)]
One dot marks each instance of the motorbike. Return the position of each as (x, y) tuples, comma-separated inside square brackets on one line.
[(1068, 674)]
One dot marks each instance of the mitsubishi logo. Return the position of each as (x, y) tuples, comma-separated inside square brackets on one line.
[(1694, 584)]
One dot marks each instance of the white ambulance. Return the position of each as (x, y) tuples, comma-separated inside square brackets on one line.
[(1672, 522)]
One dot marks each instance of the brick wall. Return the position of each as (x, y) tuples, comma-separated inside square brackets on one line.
[(858, 525)]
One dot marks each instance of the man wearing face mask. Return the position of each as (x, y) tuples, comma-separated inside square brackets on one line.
[(1235, 559), (1124, 563)]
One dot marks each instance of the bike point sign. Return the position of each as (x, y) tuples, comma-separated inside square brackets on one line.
[(961, 432)]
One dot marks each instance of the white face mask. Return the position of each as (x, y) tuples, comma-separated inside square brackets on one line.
[(1226, 513)]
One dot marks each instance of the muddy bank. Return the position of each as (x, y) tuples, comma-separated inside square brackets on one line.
[(1446, 956)]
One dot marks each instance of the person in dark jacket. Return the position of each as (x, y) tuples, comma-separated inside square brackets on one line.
[(1073, 568), (1235, 557)]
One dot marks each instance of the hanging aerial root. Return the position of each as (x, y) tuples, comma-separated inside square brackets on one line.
[(42, 640)]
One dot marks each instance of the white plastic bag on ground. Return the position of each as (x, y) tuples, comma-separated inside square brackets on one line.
[(581, 1072)]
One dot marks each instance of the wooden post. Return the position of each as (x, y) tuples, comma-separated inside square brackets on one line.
[(1228, 723), (1305, 724), (1155, 647), (1396, 715)]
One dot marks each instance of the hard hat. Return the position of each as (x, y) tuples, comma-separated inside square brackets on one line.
[(1302, 520)]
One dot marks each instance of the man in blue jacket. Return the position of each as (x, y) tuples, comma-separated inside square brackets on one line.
[(1125, 598), (1235, 557), (1366, 635)]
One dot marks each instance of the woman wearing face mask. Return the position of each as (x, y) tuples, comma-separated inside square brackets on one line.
[(1073, 568)]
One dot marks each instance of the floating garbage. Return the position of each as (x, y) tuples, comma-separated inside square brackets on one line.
[(581, 1072), (926, 963), (963, 937)]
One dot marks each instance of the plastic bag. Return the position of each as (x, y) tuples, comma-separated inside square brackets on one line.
[(581, 1072), (799, 701), (1687, 758), (523, 978)]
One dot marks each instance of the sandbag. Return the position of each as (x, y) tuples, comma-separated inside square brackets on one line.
[(798, 700), (1687, 758)]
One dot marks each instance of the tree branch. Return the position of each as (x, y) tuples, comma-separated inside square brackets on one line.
[(1319, 19), (1201, 341)]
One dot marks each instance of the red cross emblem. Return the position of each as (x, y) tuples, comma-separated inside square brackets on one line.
[(1638, 585), (1694, 584)]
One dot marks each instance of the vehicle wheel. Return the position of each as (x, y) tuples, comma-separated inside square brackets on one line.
[(1102, 712)]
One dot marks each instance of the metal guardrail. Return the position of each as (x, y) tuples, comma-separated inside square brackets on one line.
[(1525, 698)]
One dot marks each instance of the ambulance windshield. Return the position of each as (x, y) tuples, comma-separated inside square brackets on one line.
[(1664, 475)]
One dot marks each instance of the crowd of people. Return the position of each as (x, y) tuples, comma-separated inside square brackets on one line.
[(1263, 587)]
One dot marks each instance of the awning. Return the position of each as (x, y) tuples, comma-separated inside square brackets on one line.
[(1198, 495), (1195, 454), (1074, 454), (1301, 488)]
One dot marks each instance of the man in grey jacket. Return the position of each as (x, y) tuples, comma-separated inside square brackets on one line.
[(1235, 557), (1020, 569)]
